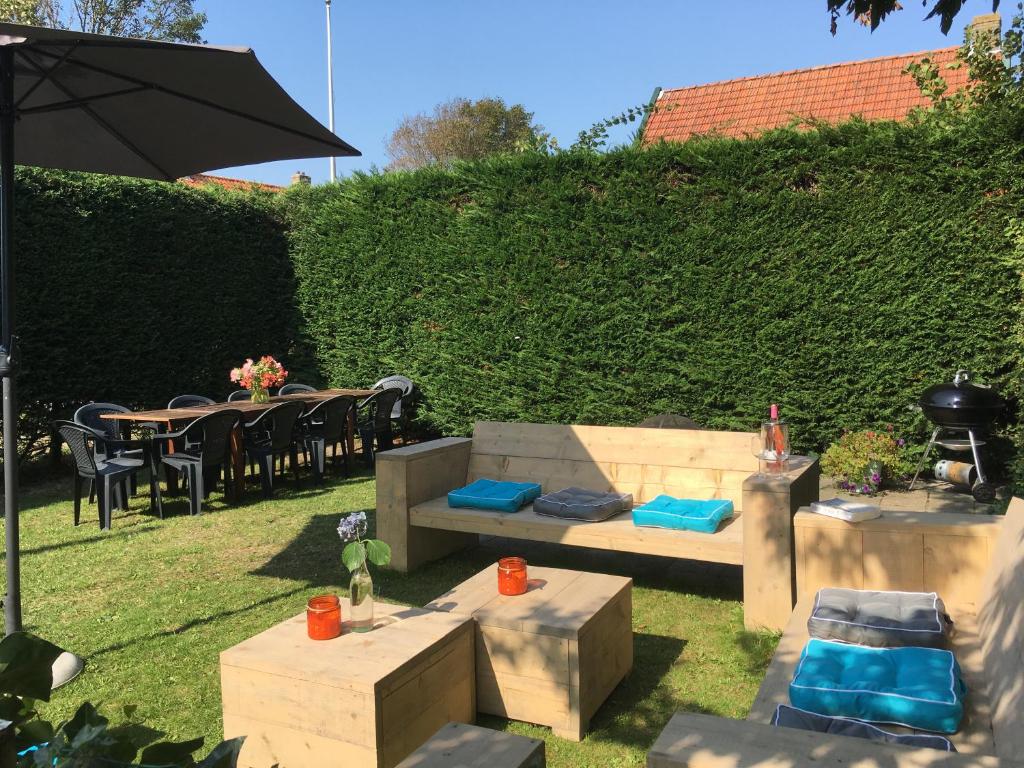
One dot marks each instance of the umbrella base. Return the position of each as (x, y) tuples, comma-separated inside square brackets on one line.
[(66, 668)]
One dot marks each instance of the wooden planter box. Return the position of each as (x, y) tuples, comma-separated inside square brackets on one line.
[(359, 700), (550, 656)]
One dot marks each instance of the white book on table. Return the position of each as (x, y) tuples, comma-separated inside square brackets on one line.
[(843, 509)]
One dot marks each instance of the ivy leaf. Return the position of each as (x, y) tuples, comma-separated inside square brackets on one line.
[(224, 755), (170, 752), (26, 665), (378, 552), (353, 555)]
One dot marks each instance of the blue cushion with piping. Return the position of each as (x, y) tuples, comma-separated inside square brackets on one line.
[(683, 514), (916, 687), (496, 495)]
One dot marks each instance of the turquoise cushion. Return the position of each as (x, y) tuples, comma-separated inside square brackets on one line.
[(499, 495), (685, 514), (917, 687)]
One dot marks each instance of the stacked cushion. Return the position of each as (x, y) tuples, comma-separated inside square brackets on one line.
[(581, 504), (496, 495), (791, 717), (684, 514), (884, 619), (915, 687)]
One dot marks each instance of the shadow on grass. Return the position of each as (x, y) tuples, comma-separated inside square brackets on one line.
[(188, 625)]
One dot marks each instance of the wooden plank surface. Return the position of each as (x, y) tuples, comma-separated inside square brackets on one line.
[(622, 445), (247, 407), (1001, 622), (618, 534), (557, 603), (353, 661), (458, 745), (704, 741), (951, 523)]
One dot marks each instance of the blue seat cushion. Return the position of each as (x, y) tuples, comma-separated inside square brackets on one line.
[(916, 687), (683, 514), (497, 495)]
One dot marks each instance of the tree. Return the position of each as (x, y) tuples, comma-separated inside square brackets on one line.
[(461, 130), (171, 20), (873, 12)]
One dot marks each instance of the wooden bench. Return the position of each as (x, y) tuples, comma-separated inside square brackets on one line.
[(989, 645), (413, 515)]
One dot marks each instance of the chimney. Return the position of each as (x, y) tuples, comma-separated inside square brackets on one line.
[(986, 27), (301, 178)]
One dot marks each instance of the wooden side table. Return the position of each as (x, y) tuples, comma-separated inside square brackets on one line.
[(364, 699), (468, 746), (552, 655)]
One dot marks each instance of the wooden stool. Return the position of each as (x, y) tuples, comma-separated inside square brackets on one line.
[(550, 656), (466, 746)]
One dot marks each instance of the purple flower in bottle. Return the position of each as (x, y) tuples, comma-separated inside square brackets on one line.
[(901, 442)]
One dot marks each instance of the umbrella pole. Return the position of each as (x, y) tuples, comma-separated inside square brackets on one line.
[(12, 601)]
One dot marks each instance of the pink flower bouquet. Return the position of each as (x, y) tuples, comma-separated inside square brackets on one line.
[(258, 377)]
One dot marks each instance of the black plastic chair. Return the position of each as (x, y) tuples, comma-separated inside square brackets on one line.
[(373, 416), (239, 394), (91, 415), (109, 474), (189, 401), (181, 401), (272, 434), (291, 389), (323, 427), (204, 455)]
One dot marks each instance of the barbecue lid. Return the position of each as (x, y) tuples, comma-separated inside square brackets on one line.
[(961, 394)]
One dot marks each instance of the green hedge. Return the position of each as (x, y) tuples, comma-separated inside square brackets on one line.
[(136, 291), (836, 271)]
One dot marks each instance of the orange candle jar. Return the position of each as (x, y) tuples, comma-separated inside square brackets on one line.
[(511, 576), (323, 617)]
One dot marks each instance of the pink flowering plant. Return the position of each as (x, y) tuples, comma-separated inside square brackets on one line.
[(358, 549), (259, 376), (861, 462)]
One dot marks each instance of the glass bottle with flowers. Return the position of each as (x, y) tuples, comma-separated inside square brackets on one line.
[(862, 462), (352, 529), (259, 377)]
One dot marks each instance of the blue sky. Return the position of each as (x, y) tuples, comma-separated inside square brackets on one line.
[(571, 62)]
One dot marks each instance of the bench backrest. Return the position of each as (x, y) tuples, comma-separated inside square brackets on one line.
[(1001, 627), (687, 463)]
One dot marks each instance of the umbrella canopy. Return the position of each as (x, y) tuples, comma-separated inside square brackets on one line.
[(151, 109), (143, 108)]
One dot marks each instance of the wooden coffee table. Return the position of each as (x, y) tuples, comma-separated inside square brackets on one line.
[(552, 655), (468, 746), (365, 699)]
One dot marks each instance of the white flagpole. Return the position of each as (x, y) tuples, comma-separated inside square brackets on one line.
[(330, 84)]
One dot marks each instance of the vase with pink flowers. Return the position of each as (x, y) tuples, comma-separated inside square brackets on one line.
[(258, 377)]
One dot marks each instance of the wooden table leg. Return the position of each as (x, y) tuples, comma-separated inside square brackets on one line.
[(237, 463)]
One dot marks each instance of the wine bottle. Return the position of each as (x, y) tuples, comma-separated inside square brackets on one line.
[(777, 439)]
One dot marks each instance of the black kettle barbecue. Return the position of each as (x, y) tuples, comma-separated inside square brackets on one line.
[(957, 408)]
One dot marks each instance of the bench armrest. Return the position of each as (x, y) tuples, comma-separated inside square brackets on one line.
[(409, 476), (769, 576), (706, 741)]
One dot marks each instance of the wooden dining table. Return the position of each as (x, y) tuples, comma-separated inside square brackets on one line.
[(181, 416)]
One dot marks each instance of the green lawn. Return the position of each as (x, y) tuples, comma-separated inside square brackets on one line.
[(151, 603)]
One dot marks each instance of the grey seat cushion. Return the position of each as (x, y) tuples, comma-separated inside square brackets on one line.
[(791, 717), (581, 504), (881, 619)]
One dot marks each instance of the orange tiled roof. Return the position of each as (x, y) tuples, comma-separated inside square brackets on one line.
[(875, 89), (236, 185)]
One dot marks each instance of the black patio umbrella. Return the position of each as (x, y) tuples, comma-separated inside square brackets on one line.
[(143, 108)]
